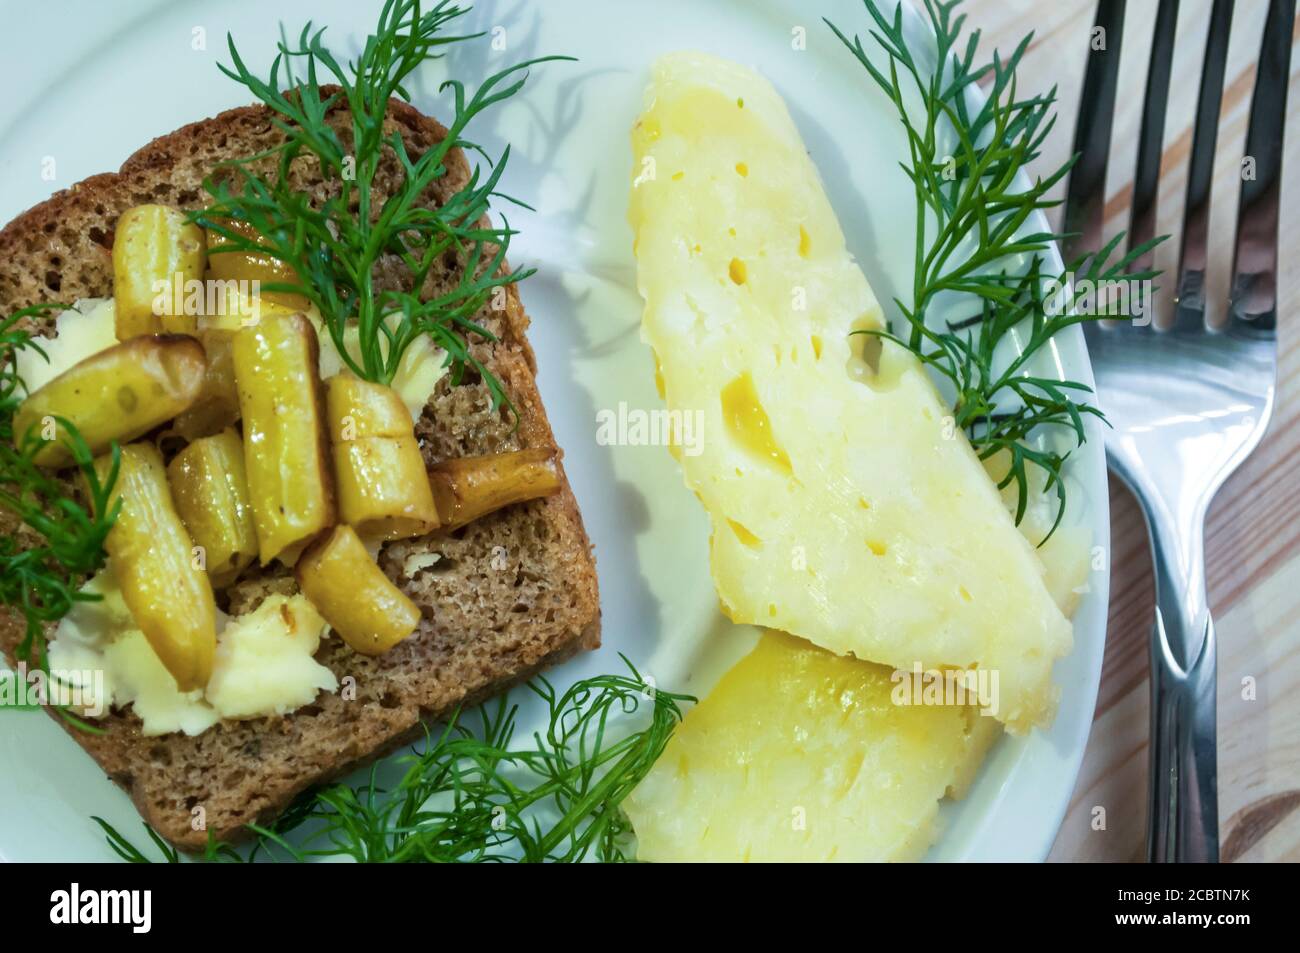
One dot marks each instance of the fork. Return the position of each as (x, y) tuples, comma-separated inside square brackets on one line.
[(1187, 403)]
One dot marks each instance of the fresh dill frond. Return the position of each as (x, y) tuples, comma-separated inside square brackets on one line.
[(336, 246), (972, 243), (473, 796), (129, 852), (41, 575)]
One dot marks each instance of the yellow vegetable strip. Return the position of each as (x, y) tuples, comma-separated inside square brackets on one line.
[(469, 487), (250, 266), (349, 589), (154, 562), (285, 452), (383, 488), (115, 395), (210, 489), (217, 406), (155, 248)]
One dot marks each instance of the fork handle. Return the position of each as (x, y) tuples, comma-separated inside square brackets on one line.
[(1183, 819)]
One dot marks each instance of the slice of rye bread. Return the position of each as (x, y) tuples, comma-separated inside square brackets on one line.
[(511, 594)]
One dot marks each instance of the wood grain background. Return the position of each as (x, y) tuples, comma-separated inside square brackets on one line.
[(1253, 533)]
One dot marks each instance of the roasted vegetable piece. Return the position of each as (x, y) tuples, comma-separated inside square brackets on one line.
[(217, 406), (383, 489), (231, 306), (285, 456), (155, 565), (211, 494), (349, 589), (251, 266), (155, 248), (115, 395), (469, 487)]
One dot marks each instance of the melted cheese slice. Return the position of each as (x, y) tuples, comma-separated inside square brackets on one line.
[(844, 507), (798, 755)]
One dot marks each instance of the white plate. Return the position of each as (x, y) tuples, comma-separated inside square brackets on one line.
[(119, 77)]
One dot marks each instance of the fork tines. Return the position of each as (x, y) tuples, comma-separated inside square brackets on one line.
[(1146, 177), (1189, 309), (1085, 197), (1253, 303)]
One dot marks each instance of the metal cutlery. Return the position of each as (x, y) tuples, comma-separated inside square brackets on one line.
[(1187, 403)]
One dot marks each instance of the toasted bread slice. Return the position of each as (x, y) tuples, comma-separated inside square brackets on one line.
[(483, 628)]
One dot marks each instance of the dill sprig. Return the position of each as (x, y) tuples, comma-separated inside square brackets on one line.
[(41, 576), (132, 854), (971, 242), (336, 245), (472, 796)]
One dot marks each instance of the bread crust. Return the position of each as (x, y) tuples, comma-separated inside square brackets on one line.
[(511, 594)]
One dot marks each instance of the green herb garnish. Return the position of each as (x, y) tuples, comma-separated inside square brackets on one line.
[(42, 576), (971, 216), (132, 854), (470, 796), (335, 246)]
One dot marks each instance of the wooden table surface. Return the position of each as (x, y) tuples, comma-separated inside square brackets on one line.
[(1253, 533)]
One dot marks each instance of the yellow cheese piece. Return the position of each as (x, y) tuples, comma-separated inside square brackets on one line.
[(140, 679), (845, 508), (84, 330), (97, 645), (1067, 563), (676, 815), (264, 663), (801, 755)]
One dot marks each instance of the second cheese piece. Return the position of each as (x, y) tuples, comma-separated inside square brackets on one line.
[(153, 557), (285, 452), (801, 756), (349, 589), (383, 488)]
